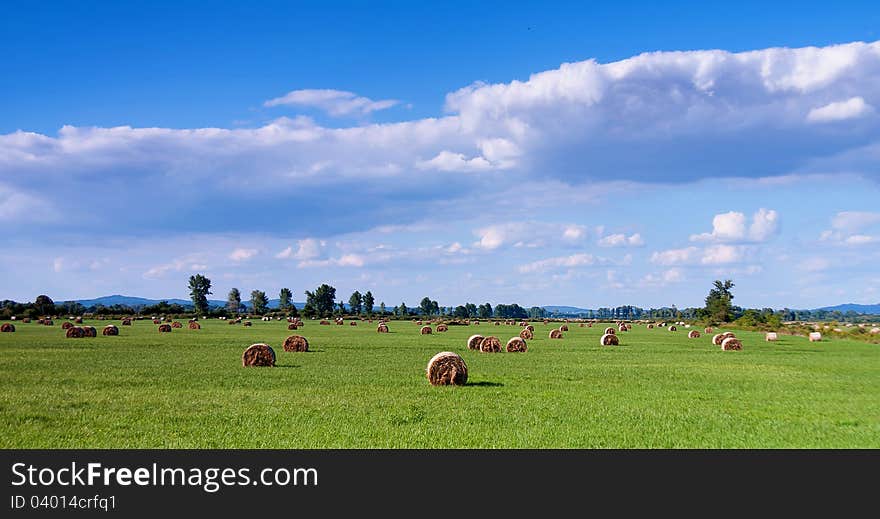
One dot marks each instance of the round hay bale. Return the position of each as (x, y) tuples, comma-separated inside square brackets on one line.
[(650, 326), (74, 332), (78, 320), (497, 323), (248, 323), (589, 325), (156, 321), (7, 328), (447, 369), (609, 331), (194, 325), (442, 328), (731, 344), (474, 342), (48, 322), (419, 323), (563, 328), (708, 330), (526, 334), (581, 325), (176, 324), (815, 336), (609, 339), (324, 323), (693, 334), (66, 324), (231, 322), (874, 331), (353, 323), (672, 328), (517, 345), (26, 320), (164, 328), (382, 328), (259, 355), (555, 334), (719, 338), (110, 329), (622, 328), (491, 345), (292, 326), (296, 343), (771, 336), (425, 330), (126, 322), (89, 331)]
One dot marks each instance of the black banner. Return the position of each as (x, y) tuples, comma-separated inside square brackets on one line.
[(432, 482)]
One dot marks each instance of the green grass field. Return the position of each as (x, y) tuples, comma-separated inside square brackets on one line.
[(360, 389)]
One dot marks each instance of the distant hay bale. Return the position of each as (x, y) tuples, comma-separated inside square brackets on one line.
[(875, 330), (425, 330), (78, 320), (815, 336), (490, 345), (419, 323), (526, 334), (770, 337), (442, 328), (7, 328), (89, 331), (156, 321), (497, 323), (447, 369), (26, 320), (247, 323), (66, 324), (589, 325), (164, 328), (650, 326), (292, 326), (74, 332), (662, 325), (719, 338), (227, 322), (708, 330), (258, 355), (324, 323), (194, 325), (581, 325), (176, 324), (731, 344), (126, 322), (110, 329), (48, 322), (672, 328), (382, 328), (555, 334), (609, 331), (474, 342), (517, 345), (530, 328), (563, 328), (353, 323), (296, 343), (609, 339), (622, 328), (693, 334)]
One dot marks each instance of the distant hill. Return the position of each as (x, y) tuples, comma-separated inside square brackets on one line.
[(573, 310), (859, 309), (136, 302)]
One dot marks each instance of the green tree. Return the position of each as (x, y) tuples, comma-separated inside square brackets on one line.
[(382, 308), (44, 305), (322, 301), (460, 312), (425, 306), (259, 302), (199, 289), (402, 310), (355, 303), (718, 302), (471, 309), (484, 311), (233, 301), (368, 303), (284, 299)]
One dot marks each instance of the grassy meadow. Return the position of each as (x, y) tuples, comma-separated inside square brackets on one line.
[(360, 389)]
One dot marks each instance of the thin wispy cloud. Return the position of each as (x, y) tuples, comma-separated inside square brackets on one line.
[(335, 102)]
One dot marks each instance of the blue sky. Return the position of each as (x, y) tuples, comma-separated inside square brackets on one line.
[(541, 154)]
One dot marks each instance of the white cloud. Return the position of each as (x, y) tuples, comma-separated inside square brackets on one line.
[(731, 227), (450, 161), (814, 264), (575, 260), (860, 239), (334, 102), (675, 256), (241, 254), (852, 221), (346, 260), (622, 240), (840, 110), (307, 249), (722, 254)]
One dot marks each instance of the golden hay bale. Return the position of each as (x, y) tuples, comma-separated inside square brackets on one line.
[(89, 331), (447, 369), (78, 320), (474, 342), (719, 338), (7, 328), (26, 320), (176, 324), (382, 328), (581, 325), (66, 324), (193, 325), (555, 334), (442, 328), (227, 322), (497, 323), (771, 336), (156, 321), (425, 330), (259, 355), (589, 325), (517, 345), (247, 323), (874, 331), (815, 336), (353, 323), (708, 330), (563, 328), (291, 326), (110, 329), (622, 328), (693, 334), (609, 331), (164, 328), (609, 339), (74, 332), (325, 323), (526, 334), (650, 326), (490, 345), (126, 322), (296, 343), (48, 322), (672, 329), (419, 323), (731, 344)]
